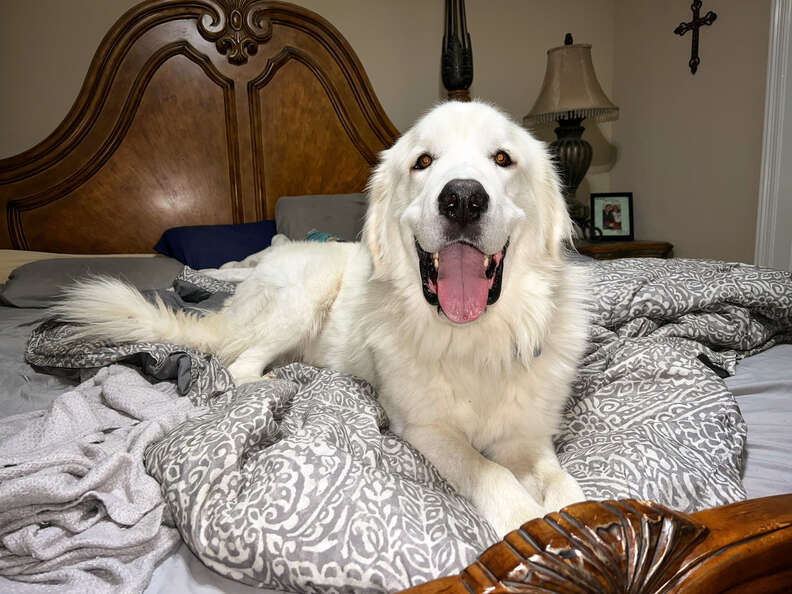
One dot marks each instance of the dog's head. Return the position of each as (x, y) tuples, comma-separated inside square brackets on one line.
[(461, 194)]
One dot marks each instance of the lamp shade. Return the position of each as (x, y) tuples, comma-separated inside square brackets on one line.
[(570, 88)]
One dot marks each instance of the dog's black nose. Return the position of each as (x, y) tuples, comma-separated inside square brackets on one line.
[(463, 201)]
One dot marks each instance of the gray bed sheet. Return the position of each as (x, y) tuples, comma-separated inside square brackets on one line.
[(21, 388), (763, 388), (762, 385), (183, 573)]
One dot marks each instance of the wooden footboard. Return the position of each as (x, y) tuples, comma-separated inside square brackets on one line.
[(638, 546)]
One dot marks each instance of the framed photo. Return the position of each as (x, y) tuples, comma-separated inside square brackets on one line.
[(612, 216)]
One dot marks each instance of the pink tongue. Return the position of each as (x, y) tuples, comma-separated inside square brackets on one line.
[(462, 286)]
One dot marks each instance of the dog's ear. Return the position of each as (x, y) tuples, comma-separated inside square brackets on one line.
[(559, 227), (374, 228)]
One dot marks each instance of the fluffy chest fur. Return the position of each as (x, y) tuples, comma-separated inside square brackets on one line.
[(505, 374)]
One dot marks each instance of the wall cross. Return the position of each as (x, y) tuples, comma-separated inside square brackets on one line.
[(694, 25)]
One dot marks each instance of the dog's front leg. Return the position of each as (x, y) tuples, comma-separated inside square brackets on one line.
[(492, 488), (535, 464), (250, 364)]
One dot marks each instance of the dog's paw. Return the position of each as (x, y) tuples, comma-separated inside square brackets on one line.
[(513, 514), (244, 373), (503, 501), (560, 490), (250, 379)]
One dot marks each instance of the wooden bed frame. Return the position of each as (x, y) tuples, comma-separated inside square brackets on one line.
[(205, 112), (196, 112)]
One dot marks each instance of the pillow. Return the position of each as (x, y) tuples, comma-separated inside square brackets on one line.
[(10, 260), (210, 246), (39, 284), (334, 214)]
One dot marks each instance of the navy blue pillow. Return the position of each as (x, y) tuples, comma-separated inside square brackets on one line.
[(210, 246)]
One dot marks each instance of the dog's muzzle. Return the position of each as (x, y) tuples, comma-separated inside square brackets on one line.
[(461, 280)]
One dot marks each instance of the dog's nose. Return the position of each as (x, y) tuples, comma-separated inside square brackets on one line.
[(463, 201)]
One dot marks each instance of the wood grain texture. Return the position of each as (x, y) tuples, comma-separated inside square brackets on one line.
[(637, 546), (608, 250), (189, 180), (196, 112), (324, 160)]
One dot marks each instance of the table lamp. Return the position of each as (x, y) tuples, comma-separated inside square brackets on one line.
[(570, 93)]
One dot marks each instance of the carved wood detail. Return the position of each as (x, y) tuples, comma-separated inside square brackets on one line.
[(630, 546), (237, 27), (16, 207), (636, 546)]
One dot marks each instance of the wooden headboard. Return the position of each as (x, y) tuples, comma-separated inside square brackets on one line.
[(196, 112)]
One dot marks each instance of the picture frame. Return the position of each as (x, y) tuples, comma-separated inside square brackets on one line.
[(612, 216)]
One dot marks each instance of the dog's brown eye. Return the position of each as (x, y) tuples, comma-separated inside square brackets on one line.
[(502, 159), (423, 162)]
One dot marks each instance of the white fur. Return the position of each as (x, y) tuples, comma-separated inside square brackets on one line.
[(480, 400)]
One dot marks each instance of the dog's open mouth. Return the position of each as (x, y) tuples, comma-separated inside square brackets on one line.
[(461, 280)]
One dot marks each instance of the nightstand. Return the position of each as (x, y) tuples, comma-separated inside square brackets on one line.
[(608, 250)]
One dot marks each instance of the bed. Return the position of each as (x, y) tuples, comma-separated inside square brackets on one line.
[(208, 112)]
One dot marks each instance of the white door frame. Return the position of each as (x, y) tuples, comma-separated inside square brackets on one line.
[(767, 252)]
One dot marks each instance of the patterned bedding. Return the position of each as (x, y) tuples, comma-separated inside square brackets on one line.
[(651, 416), (294, 482)]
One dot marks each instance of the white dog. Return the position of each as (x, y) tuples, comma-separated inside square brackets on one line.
[(458, 306)]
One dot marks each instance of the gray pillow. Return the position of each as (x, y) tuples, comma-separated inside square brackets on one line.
[(337, 214), (39, 284)]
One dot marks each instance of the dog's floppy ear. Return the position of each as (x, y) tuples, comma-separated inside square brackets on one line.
[(374, 228), (559, 225)]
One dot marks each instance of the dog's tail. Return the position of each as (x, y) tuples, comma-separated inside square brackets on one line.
[(109, 309)]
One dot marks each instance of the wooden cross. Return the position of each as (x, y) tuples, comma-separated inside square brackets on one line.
[(694, 25)]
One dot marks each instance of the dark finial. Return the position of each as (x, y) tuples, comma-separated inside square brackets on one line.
[(568, 39), (457, 55)]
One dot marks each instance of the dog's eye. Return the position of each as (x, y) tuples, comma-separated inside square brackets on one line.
[(502, 159), (423, 161)]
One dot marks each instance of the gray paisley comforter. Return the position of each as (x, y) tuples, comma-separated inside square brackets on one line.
[(295, 482), (650, 415)]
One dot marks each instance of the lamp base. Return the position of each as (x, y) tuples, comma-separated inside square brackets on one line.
[(573, 155)]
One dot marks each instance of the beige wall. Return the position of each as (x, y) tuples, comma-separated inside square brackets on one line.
[(46, 47), (690, 146)]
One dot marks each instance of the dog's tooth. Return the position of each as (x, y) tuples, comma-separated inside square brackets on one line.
[(436, 260), (486, 262)]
